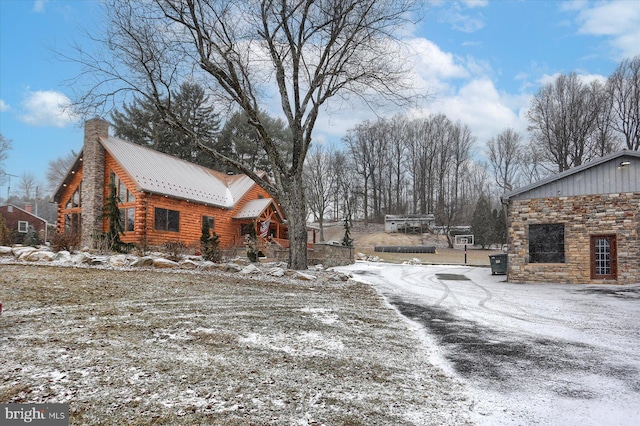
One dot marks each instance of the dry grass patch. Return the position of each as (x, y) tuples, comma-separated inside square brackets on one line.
[(140, 347)]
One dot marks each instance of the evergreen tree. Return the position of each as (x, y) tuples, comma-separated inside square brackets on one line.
[(347, 241), (500, 230), (32, 238), (210, 244), (482, 222), (240, 141), (141, 123), (5, 233), (111, 212), (251, 241)]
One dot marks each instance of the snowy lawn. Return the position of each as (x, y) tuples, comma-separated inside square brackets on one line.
[(142, 347), (545, 354)]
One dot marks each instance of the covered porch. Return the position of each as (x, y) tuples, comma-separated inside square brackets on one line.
[(268, 221)]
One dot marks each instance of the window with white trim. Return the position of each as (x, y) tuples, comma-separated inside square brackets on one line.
[(23, 226)]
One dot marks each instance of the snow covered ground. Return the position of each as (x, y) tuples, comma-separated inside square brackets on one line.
[(529, 353), (179, 347)]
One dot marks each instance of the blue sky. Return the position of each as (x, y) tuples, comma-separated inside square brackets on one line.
[(480, 60)]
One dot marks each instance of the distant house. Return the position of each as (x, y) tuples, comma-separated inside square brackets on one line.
[(20, 221), (580, 226), (409, 223), (162, 198)]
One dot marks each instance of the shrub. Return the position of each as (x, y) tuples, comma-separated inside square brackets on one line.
[(251, 242), (65, 241), (211, 249), (174, 250), (32, 238), (5, 233)]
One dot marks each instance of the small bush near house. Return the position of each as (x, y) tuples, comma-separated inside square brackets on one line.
[(211, 249), (32, 238), (68, 241), (5, 233), (251, 242), (174, 250)]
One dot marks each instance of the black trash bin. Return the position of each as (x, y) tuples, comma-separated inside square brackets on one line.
[(498, 264)]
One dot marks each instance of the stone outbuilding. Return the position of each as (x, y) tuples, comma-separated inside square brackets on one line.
[(581, 226)]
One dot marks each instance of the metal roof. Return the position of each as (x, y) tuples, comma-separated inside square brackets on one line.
[(163, 174), (604, 175), (253, 208)]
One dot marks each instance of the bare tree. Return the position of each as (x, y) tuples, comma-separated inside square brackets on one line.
[(319, 182), (454, 155), (563, 116), (362, 148), (605, 138), (534, 166), (312, 50), (347, 188), (57, 170), (5, 146), (624, 87), (422, 155), (505, 157), (396, 131), (27, 185)]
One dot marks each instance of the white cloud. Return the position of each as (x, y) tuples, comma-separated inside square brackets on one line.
[(584, 78), (459, 17), (475, 3), (617, 20), (432, 67), (487, 112), (4, 106), (461, 88), (38, 6), (47, 108)]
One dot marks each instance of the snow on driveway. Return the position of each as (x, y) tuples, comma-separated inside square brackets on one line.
[(530, 353)]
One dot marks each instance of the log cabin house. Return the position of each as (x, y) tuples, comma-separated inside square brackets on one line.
[(162, 198)]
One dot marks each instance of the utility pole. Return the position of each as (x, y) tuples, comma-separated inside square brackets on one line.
[(8, 183)]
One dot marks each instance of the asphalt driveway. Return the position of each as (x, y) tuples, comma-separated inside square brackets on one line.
[(529, 354)]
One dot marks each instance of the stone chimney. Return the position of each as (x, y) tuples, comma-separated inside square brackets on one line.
[(92, 179)]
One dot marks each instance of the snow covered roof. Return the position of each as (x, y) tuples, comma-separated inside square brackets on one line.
[(255, 208), (163, 174)]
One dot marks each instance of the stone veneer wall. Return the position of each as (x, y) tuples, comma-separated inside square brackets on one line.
[(329, 255), (583, 216), (92, 197)]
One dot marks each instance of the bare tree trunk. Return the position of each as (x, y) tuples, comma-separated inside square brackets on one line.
[(294, 203)]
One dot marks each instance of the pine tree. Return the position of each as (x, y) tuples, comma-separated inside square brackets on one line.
[(347, 241), (210, 244), (251, 241), (482, 222), (32, 238), (111, 212), (5, 233), (238, 140), (141, 123)]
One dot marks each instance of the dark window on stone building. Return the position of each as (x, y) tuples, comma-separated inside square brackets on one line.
[(546, 243)]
